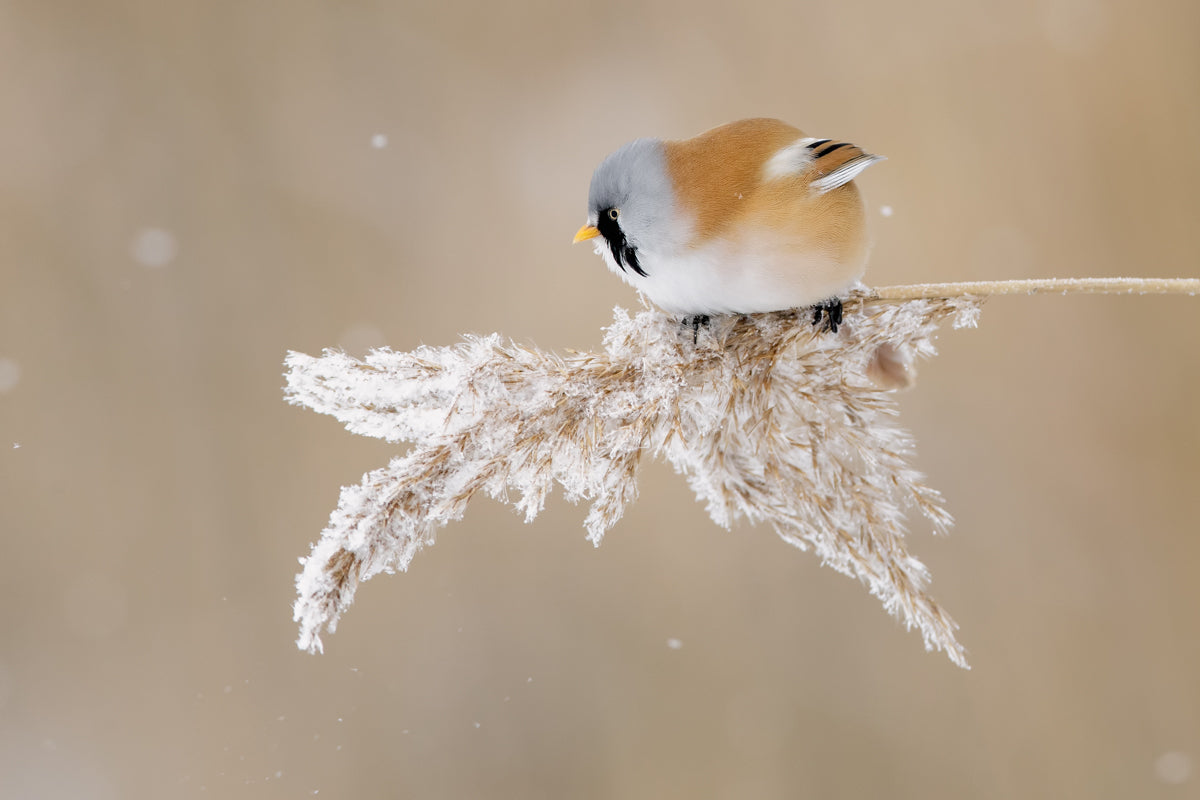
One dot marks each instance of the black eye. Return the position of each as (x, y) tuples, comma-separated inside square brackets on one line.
[(613, 213)]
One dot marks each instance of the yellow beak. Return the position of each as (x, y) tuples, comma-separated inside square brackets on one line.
[(585, 233)]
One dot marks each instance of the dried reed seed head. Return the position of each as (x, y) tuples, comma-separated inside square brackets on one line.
[(767, 418)]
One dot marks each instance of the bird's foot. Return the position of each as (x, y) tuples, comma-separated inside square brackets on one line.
[(695, 322), (831, 310)]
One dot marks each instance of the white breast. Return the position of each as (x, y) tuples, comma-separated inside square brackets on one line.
[(755, 273)]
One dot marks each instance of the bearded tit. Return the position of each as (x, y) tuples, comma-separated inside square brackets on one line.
[(750, 216)]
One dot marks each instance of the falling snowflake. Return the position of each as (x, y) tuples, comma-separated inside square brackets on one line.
[(10, 375), (154, 247)]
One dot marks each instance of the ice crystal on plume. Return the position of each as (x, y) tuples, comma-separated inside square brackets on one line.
[(768, 418)]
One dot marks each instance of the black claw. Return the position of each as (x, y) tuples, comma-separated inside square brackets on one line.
[(696, 322), (831, 310)]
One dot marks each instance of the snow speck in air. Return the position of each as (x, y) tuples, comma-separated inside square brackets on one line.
[(16, 445), (379, 141), (674, 644), (476, 724), (154, 247), (1173, 767), (10, 375), (886, 211)]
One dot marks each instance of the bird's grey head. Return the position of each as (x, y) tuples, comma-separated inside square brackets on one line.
[(631, 202)]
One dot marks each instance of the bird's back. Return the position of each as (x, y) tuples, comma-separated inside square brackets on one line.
[(715, 172)]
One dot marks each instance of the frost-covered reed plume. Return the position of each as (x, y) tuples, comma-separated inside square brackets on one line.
[(768, 418)]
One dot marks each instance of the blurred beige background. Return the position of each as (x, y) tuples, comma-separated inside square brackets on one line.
[(188, 190)]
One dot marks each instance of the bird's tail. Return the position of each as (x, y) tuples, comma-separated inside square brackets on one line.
[(837, 163)]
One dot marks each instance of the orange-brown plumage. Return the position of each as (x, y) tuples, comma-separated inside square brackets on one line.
[(715, 172)]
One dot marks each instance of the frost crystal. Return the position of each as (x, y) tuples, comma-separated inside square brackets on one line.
[(768, 418)]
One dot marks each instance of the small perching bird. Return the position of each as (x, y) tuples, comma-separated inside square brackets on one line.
[(750, 216)]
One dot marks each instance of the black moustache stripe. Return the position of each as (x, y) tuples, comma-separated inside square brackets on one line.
[(622, 252), (629, 256)]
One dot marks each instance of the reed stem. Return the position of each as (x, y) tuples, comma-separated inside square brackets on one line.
[(925, 291)]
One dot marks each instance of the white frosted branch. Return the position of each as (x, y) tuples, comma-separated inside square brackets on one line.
[(768, 418)]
